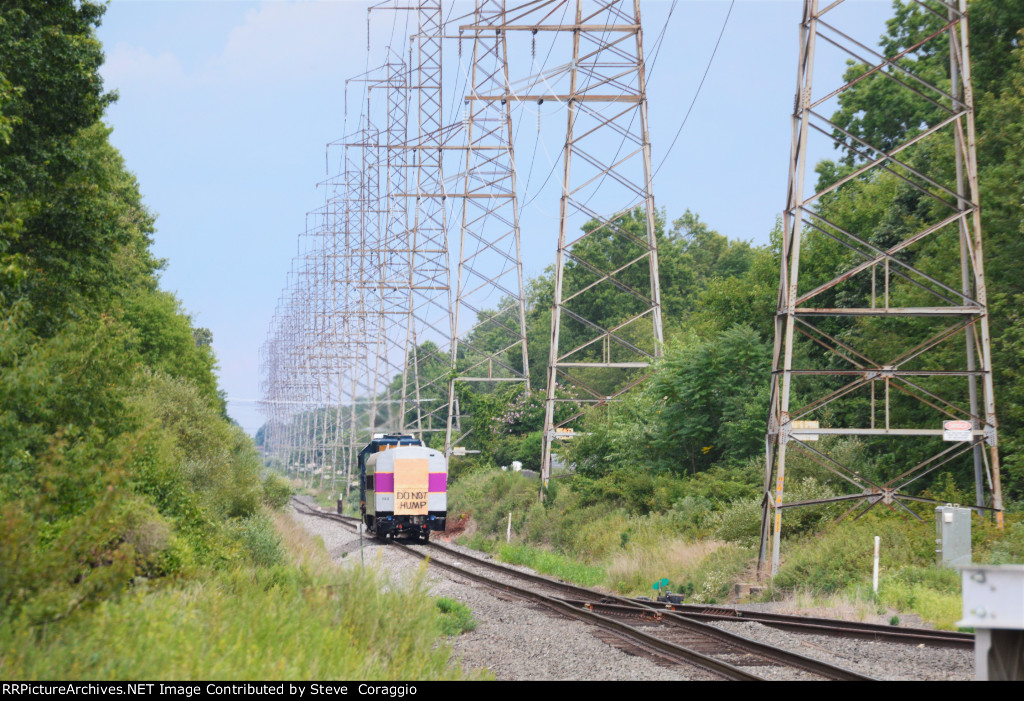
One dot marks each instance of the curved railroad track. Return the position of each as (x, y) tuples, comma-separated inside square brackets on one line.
[(808, 625), (663, 634)]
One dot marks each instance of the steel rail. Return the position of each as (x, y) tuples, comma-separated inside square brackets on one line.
[(820, 626), (692, 617), (590, 600), (661, 647), (776, 655), (695, 612)]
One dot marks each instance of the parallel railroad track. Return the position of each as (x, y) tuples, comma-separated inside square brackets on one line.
[(639, 641), (700, 640), (820, 626), (663, 634)]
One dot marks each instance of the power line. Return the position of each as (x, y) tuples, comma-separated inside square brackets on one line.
[(697, 94)]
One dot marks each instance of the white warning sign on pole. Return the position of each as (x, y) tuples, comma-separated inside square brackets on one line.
[(956, 430)]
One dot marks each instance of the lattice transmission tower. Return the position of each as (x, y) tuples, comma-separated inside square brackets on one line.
[(430, 318), (606, 324), (895, 342), (378, 303), (384, 243), (491, 351)]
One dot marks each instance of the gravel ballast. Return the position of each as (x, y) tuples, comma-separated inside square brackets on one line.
[(519, 640), (515, 640), (881, 660)]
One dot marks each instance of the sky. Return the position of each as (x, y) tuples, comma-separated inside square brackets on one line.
[(225, 109)]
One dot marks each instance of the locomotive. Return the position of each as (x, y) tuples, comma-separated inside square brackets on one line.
[(403, 487)]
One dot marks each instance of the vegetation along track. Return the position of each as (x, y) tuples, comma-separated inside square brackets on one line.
[(662, 634)]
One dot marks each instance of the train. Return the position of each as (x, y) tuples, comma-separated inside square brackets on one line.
[(403, 487)]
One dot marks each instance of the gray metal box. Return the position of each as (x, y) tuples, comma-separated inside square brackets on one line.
[(952, 535), (994, 607), (993, 596)]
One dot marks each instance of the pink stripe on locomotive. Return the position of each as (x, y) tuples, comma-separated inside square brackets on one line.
[(437, 482), (384, 482)]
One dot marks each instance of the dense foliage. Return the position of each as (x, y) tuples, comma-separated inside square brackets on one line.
[(137, 539), (707, 401), (116, 458)]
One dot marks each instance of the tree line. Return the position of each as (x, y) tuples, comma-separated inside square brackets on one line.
[(117, 460)]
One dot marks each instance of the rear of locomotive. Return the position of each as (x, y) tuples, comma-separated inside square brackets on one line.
[(405, 486)]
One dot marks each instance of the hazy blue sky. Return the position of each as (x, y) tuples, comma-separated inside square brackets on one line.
[(226, 107)]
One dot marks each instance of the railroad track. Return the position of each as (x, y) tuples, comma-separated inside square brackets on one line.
[(698, 639), (798, 624), (640, 641), (820, 626), (665, 635)]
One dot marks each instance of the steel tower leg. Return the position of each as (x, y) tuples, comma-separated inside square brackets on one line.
[(811, 309)]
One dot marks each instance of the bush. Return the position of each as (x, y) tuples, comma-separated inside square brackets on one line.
[(740, 522), (260, 540), (931, 592), (691, 515), (1007, 547), (490, 495), (713, 579), (842, 556), (276, 491)]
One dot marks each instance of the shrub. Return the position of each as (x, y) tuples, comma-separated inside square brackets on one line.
[(931, 592), (276, 491), (1008, 546), (691, 515), (260, 540), (456, 618), (714, 577), (740, 522), (842, 555)]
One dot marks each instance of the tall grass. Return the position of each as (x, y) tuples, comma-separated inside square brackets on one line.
[(704, 544), (636, 569), (556, 564), (594, 545), (292, 616), (249, 624)]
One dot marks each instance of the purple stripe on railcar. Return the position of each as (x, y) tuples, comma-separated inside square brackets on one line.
[(437, 482), (384, 482)]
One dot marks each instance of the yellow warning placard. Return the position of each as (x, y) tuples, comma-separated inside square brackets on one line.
[(797, 425), (411, 486)]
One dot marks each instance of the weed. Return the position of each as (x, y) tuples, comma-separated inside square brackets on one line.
[(633, 571), (276, 491), (261, 541), (456, 618)]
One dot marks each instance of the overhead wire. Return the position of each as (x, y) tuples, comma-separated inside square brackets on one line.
[(693, 102)]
